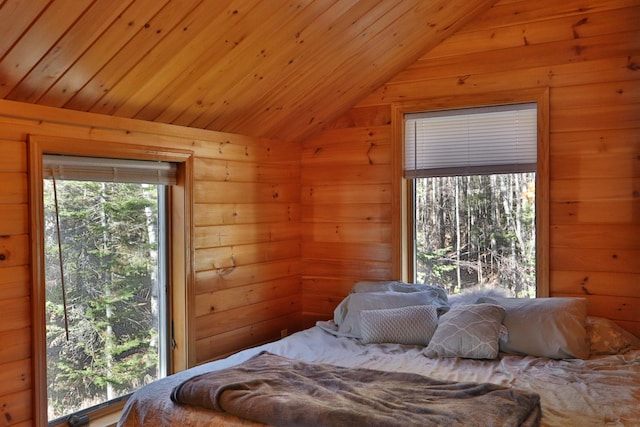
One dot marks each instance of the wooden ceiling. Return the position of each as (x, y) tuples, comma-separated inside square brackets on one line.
[(266, 68)]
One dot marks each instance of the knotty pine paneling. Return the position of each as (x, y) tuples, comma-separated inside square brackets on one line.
[(596, 283), (587, 52), (230, 275), (246, 213), (15, 282), (216, 323), (16, 346), (594, 212), (228, 342), (255, 67), (16, 376), (346, 214), (233, 298), (17, 408), (14, 219), (246, 235), (225, 257)]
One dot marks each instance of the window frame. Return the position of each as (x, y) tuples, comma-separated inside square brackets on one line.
[(180, 262), (402, 205)]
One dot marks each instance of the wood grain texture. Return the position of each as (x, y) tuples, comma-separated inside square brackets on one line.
[(254, 67), (282, 228), (587, 54), (246, 229)]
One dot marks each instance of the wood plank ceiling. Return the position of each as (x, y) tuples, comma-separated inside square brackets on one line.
[(264, 68)]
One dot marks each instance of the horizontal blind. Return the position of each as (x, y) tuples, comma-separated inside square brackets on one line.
[(469, 141), (102, 169)]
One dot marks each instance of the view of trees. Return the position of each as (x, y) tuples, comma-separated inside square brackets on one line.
[(477, 231), (109, 251)]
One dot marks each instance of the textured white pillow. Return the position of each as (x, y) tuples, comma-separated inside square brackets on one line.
[(468, 331), (412, 325), (347, 314), (545, 327)]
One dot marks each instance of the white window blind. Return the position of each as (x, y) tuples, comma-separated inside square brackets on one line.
[(470, 141), (101, 169)]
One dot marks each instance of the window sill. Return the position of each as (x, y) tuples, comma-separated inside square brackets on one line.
[(106, 416)]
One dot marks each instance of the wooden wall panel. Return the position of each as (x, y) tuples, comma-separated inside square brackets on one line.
[(587, 52), (228, 342), (242, 275), (246, 229)]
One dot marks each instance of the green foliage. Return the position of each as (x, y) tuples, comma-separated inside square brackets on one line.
[(476, 230), (109, 253)]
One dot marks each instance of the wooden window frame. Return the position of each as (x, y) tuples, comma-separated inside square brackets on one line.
[(401, 205), (181, 260)]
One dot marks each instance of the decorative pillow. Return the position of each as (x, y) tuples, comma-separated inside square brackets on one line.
[(606, 337), (412, 325), (545, 327), (468, 331), (349, 309), (439, 295)]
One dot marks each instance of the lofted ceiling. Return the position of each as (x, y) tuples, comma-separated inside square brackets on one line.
[(266, 68)]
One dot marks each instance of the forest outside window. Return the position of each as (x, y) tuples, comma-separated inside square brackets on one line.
[(105, 278), (111, 227), (472, 177)]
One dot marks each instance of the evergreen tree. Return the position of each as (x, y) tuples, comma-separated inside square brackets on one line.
[(109, 256)]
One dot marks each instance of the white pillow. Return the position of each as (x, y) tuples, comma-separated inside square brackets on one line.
[(349, 309), (468, 331), (412, 325), (545, 327)]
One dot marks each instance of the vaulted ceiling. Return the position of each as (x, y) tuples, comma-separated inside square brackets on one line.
[(267, 68)]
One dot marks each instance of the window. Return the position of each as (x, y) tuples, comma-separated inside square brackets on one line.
[(472, 181), (110, 289), (105, 278)]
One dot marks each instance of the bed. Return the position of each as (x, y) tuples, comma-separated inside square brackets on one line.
[(584, 371)]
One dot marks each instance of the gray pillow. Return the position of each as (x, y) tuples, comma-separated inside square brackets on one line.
[(397, 286), (412, 325), (347, 314), (544, 327), (468, 331)]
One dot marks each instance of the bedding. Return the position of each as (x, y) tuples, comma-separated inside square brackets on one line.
[(284, 392), (596, 385), (600, 391)]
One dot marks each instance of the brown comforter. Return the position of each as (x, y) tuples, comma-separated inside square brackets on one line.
[(283, 392)]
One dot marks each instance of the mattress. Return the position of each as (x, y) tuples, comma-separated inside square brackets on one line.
[(599, 391)]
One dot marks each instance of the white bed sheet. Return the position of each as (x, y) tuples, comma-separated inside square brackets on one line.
[(602, 391)]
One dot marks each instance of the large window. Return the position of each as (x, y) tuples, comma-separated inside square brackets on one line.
[(105, 278), (472, 177), (112, 266)]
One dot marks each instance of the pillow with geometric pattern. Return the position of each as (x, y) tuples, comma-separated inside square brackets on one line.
[(347, 314), (468, 331), (413, 325)]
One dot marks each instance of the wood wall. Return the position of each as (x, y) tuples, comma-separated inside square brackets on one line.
[(246, 234), (283, 230), (587, 52)]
